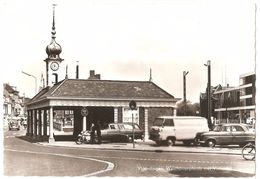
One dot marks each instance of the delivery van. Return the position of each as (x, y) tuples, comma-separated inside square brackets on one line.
[(168, 129)]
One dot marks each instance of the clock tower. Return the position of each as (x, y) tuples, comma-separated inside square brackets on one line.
[(53, 61)]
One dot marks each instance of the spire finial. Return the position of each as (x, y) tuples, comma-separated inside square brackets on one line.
[(53, 21), (150, 79)]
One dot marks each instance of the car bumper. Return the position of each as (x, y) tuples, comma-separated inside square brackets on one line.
[(155, 137)]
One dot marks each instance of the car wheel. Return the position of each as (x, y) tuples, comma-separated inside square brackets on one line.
[(211, 143), (129, 139), (170, 141)]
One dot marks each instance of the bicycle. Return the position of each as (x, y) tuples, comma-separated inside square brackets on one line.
[(248, 151)]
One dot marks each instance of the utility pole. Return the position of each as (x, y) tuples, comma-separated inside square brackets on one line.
[(184, 91), (209, 93)]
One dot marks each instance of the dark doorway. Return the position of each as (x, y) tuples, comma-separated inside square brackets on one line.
[(104, 115)]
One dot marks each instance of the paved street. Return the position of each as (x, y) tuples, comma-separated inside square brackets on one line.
[(23, 158)]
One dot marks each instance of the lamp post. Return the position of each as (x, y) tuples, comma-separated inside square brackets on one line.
[(34, 79), (184, 91), (209, 94)]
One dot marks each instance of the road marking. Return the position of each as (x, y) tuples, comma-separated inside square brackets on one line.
[(110, 165), (162, 160)]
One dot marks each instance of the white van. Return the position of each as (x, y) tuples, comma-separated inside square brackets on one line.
[(177, 128)]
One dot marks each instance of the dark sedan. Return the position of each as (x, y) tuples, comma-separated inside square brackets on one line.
[(226, 134), (121, 132)]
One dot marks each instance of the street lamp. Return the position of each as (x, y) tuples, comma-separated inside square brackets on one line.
[(34, 79), (184, 91), (209, 94)]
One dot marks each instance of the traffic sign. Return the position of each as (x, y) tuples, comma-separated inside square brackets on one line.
[(84, 112), (132, 105)]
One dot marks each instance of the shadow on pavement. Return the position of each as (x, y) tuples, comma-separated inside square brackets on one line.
[(207, 173)]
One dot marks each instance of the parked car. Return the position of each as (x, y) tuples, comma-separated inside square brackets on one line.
[(122, 132), (226, 134), (168, 129), (14, 124)]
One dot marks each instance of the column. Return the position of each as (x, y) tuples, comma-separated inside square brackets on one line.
[(31, 122), (28, 119), (115, 114), (146, 127), (40, 124), (84, 125), (51, 138), (45, 123), (174, 112), (35, 123)]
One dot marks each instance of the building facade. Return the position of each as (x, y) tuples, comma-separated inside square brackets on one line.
[(237, 104), (14, 105)]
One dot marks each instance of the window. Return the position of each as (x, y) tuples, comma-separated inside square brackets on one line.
[(158, 122), (168, 122), (226, 128), (237, 128)]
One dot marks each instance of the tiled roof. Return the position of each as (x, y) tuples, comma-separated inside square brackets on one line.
[(77, 88)]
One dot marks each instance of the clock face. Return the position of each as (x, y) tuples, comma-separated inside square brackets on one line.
[(54, 66)]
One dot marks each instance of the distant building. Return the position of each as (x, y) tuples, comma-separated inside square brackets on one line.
[(14, 105), (234, 104)]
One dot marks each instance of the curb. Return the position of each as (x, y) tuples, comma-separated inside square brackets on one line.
[(93, 146)]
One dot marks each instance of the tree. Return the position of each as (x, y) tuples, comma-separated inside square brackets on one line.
[(191, 109)]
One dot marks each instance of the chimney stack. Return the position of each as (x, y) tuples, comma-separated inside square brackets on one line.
[(93, 76)]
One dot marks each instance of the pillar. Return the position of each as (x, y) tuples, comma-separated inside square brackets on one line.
[(84, 127), (28, 119), (51, 138), (40, 124), (146, 127), (45, 123), (35, 123), (115, 114), (174, 112), (31, 122)]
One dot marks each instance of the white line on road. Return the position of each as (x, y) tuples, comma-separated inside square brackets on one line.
[(110, 166), (162, 160)]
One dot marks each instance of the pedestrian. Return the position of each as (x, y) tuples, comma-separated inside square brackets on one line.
[(92, 132), (98, 129)]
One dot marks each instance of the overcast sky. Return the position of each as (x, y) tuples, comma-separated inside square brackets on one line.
[(123, 39)]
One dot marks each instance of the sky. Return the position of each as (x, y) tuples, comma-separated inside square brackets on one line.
[(124, 39)]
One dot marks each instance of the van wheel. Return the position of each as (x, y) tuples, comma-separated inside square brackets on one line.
[(170, 141), (211, 143)]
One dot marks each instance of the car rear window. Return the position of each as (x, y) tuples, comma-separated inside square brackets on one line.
[(237, 128)]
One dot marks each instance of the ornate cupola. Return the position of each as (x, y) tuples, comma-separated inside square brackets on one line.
[(53, 51)]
